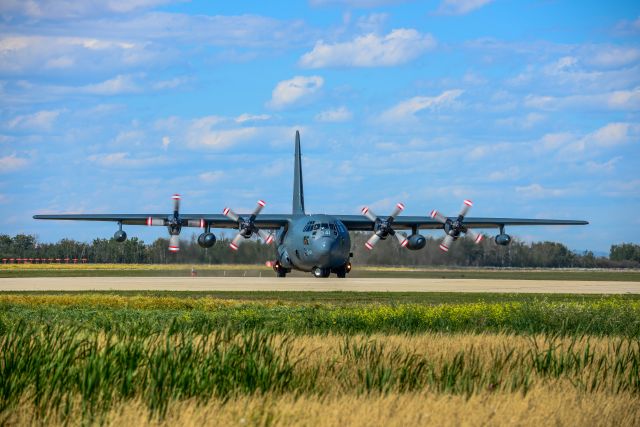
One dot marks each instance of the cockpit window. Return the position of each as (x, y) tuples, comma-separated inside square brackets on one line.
[(309, 226), (316, 227)]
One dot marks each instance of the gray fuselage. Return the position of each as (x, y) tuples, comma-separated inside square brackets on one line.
[(311, 241)]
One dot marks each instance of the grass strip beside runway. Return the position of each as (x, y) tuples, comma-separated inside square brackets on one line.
[(241, 270), (141, 314)]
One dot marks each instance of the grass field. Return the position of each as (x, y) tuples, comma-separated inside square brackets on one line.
[(235, 270), (154, 358)]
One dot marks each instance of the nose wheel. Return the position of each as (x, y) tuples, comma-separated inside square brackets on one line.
[(320, 272)]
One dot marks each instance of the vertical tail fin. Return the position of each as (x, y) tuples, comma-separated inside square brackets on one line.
[(298, 191)]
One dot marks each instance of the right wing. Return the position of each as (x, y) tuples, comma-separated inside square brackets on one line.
[(188, 220)]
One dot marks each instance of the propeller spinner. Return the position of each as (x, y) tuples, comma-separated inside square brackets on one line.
[(247, 227), (453, 229), (383, 227), (172, 222)]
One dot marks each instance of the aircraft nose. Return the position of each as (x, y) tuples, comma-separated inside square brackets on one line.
[(326, 250)]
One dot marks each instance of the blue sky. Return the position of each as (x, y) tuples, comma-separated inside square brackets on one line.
[(529, 108)]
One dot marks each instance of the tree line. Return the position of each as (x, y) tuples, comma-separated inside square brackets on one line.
[(463, 252)]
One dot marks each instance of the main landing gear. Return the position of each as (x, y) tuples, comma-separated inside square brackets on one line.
[(281, 272), (278, 268)]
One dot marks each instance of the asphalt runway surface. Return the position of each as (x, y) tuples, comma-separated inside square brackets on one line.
[(312, 284)]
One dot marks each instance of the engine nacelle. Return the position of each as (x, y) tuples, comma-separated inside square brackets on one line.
[(416, 242), (206, 240), (502, 239), (120, 236)]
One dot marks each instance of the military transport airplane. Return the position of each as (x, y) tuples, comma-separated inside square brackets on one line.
[(314, 243)]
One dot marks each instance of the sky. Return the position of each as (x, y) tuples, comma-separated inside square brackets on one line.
[(529, 108)]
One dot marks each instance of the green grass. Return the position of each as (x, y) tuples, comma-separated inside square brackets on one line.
[(342, 297), (66, 353), (141, 314), (363, 272), (58, 368)]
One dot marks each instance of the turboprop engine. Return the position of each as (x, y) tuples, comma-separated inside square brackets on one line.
[(206, 240), (416, 242), (502, 239)]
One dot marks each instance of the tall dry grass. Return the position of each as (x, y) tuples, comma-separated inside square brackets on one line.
[(557, 403), (57, 374)]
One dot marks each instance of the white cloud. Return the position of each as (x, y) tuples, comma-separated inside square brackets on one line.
[(608, 166), (171, 83), (124, 160), (398, 47), (41, 120), (510, 173), (210, 177), (537, 191), (613, 134), (572, 147), (41, 54), (340, 114), (12, 163), (488, 149), (355, 3), (372, 23), (460, 7), (628, 27), (165, 142), (289, 92), (406, 110), (628, 188), (528, 121), (117, 85), (251, 117), (616, 100), (201, 133), (129, 137), (554, 141), (614, 56), (70, 9)]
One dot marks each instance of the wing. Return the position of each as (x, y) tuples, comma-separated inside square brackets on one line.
[(360, 222), (188, 220)]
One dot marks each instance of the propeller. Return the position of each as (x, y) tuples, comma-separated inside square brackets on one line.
[(383, 227), (172, 222), (247, 227), (453, 229)]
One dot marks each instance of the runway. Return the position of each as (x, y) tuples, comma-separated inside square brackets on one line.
[(314, 285)]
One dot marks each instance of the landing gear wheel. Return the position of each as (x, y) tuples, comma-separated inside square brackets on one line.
[(281, 273), (341, 272), (320, 272)]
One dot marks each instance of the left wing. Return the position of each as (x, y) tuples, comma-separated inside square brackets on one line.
[(362, 223), (453, 227)]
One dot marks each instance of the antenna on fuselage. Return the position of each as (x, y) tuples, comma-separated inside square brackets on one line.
[(298, 191)]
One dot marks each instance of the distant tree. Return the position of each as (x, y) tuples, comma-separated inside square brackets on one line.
[(464, 252), (625, 252)]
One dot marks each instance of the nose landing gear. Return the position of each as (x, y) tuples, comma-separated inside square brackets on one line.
[(341, 271), (320, 272)]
